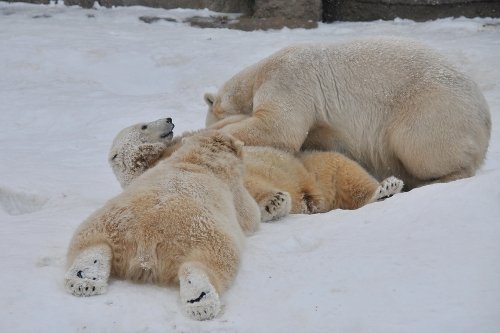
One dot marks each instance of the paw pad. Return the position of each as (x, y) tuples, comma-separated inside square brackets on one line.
[(388, 188), (276, 206)]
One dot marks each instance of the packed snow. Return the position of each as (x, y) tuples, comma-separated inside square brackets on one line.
[(70, 79)]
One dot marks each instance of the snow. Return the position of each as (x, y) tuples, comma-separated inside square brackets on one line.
[(71, 79)]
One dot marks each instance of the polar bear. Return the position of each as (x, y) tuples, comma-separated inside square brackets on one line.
[(181, 222), (393, 105), (280, 182)]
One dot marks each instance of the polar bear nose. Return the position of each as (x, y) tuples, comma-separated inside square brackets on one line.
[(169, 120)]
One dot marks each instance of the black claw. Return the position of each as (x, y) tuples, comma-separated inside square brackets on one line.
[(79, 274), (94, 279), (95, 261), (268, 209), (86, 288), (93, 288)]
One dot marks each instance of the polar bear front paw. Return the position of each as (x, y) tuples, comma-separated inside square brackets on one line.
[(199, 299), (88, 276), (388, 187), (275, 206)]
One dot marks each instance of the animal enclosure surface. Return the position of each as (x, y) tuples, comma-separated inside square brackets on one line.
[(71, 79)]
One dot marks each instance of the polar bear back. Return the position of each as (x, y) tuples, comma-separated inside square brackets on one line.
[(365, 75), (393, 105)]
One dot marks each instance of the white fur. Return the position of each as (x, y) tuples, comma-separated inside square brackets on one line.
[(182, 221), (135, 147), (388, 187), (199, 299), (89, 273), (393, 105), (280, 182), (278, 205)]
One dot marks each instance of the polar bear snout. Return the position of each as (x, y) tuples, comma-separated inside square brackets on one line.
[(158, 130), (169, 131)]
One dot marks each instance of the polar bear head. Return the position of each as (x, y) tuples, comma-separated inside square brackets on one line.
[(136, 148)]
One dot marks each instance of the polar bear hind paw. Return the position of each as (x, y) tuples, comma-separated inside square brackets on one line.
[(85, 287), (276, 206), (88, 276), (199, 299), (388, 187)]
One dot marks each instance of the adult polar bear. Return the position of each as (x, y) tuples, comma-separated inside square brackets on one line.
[(392, 105)]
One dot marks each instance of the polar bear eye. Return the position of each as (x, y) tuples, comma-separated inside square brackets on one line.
[(144, 127), (112, 158)]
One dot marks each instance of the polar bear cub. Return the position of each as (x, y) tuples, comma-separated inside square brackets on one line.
[(183, 222), (393, 105), (280, 182)]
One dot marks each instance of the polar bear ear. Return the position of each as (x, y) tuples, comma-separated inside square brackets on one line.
[(209, 99)]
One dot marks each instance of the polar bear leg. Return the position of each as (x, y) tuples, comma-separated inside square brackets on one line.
[(388, 187), (199, 298), (269, 125), (249, 216), (344, 183), (89, 272)]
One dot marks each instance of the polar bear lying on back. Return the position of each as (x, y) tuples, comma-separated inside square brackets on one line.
[(181, 222), (392, 105), (281, 183)]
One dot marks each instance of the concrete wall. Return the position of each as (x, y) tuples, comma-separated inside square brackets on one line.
[(418, 10)]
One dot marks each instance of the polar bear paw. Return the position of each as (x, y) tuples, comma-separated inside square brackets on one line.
[(276, 206), (199, 299), (88, 276), (388, 187)]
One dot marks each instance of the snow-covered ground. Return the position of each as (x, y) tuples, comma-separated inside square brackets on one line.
[(70, 79)]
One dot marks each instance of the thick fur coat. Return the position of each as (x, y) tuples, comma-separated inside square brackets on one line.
[(393, 105), (182, 222), (280, 182)]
